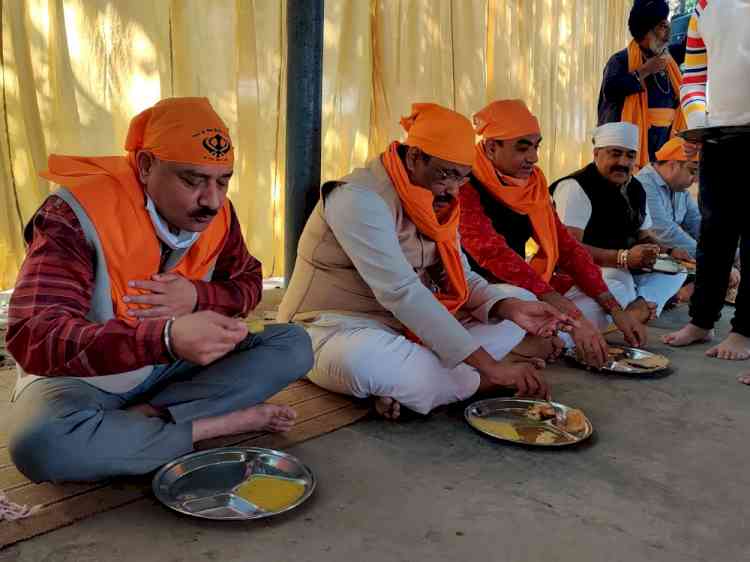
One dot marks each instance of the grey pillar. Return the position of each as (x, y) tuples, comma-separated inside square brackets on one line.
[(304, 19)]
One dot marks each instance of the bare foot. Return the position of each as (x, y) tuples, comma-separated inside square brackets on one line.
[(685, 293), (387, 407), (734, 348), (537, 347), (641, 310), (263, 417), (744, 378), (687, 335)]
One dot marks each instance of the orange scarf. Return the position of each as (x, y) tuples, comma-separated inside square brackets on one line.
[(635, 108), (417, 202), (110, 193), (533, 200)]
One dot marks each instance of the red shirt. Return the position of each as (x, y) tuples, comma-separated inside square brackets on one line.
[(489, 249), (48, 333)]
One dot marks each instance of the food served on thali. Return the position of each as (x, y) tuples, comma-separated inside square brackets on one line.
[(270, 493)]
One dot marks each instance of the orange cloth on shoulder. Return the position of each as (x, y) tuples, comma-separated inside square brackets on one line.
[(178, 129), (417, 202), (507, 120), (635, 109), (440, 132)]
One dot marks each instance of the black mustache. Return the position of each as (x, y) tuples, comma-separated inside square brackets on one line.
[(201, 213), (620, 169)]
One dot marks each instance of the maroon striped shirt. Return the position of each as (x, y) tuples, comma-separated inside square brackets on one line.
[(48, 333)]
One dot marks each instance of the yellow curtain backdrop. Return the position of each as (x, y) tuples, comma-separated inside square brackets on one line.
[(75, 71)]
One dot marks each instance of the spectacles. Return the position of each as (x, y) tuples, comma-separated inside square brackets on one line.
[(451, 176)]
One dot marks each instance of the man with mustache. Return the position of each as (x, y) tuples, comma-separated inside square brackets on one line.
[(641, 83), (380, 282), (506, 203), (604, 207), (124, 320)]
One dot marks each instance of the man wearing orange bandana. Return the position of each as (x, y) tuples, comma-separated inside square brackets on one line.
[(123, 321), (387, 296), (505, 204), (641, 83)]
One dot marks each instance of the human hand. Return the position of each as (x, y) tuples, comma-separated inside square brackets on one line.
[(636, 334), (734, 278), (682, 254), (171, 295), (205, 336), (562, 304), (591, 343), (653, 65), (537, 318), (526, 379), (642, 256), (691, 148)]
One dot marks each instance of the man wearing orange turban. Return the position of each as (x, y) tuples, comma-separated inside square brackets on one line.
[(379, 260), (123, 321), (505, 204)]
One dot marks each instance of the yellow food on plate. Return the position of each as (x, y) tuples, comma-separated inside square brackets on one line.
[(546, 438), (270, 493), (501, 429)]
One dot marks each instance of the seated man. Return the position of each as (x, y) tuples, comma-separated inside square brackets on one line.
[(604, 207), (507, 202), (122, 319), (386, 294), (674, 212)]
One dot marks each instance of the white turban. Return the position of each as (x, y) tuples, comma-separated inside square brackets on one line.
[(620, 134)]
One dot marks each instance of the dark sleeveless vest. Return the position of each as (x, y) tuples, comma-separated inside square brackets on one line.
[(615, 220)]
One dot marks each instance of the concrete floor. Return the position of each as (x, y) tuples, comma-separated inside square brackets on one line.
[(665, 478)]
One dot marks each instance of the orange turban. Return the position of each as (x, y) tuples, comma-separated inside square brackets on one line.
[(506, 119), (440, 132), (184, 130), (673, 150)]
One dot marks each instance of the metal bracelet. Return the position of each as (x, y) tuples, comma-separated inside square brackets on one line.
[(167, 337)]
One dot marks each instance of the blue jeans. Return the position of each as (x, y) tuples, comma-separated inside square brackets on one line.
[(63, 429)]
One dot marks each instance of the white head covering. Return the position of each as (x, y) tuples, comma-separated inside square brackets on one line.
[(617, 134)]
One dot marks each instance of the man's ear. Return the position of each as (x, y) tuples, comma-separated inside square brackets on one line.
[(412, 155), (144, 161)]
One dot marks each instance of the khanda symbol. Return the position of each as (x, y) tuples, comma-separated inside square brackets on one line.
[(217, 145)]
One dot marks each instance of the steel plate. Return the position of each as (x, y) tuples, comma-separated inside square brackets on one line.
[(625, 361), (715, 134), (511, 413), (205, 484)]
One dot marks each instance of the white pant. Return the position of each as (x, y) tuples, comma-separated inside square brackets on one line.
[(654, 287), (363, 357)]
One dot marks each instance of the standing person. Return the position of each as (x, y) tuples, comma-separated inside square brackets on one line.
[(718, 58), (122, 319), (641, 83), (604, 207), (505, 203)]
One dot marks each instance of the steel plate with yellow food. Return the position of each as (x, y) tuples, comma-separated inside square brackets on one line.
[(624, 361), (234, 483), (529, 422)]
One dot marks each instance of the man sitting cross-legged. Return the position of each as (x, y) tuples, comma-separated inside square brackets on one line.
[(604, 207), (121, 321), (387, 296)]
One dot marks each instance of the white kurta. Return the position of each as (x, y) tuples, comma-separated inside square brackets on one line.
[(362, 357)]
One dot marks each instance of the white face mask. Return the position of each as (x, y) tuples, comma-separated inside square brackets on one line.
[(183, 239)]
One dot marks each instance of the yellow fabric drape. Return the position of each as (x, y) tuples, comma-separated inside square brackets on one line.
[(75, 71)]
